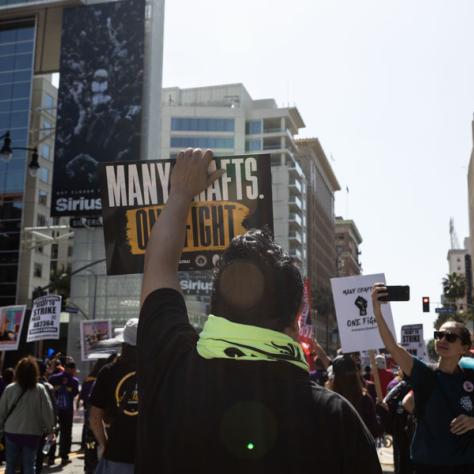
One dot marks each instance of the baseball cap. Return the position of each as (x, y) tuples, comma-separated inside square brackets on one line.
[(127, 335)]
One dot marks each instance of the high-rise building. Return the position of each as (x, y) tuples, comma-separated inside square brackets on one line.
[(30, 46), (44, 248), (320, 226), (348, 240), (227, 119)]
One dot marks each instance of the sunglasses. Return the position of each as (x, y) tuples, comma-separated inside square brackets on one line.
[(449, 336)]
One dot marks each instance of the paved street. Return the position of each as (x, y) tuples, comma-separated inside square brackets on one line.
[(77, 464)]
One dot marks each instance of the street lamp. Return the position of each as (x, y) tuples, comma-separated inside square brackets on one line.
[(6, 153)]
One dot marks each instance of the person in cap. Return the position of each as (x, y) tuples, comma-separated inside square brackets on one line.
[(66, 388), (114, 407), (237, 398)]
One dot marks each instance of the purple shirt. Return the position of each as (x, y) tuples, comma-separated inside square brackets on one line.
[(66, 387)]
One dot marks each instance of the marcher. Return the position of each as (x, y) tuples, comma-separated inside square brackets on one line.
[(237, 398), (26, 415), (399, 424), (345, 379), (89, 442), (52, 398), (114, 402), (385, 376), (444, 398), (66, 388)]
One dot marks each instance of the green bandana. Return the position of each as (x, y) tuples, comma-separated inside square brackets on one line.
[(223, 339)]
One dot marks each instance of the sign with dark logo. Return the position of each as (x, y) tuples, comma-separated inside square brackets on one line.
[(134, 194), (99, 99)]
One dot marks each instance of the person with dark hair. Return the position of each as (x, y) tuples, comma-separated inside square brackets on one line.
[(66, 388), (26, 415), (114, 406), (345, 379), (8, 376), (237, 397), (443, 398)]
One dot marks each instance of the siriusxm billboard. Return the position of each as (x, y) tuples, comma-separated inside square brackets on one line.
[(99, 100)]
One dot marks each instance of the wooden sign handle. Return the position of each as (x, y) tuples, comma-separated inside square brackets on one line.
[(375, 375)]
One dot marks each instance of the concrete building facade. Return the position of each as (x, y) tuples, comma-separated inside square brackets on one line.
[(321, 235), (348, 240)]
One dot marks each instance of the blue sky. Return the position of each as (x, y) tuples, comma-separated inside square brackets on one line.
[(388, 88)]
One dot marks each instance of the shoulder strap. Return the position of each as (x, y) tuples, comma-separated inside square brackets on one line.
[(12, 408)]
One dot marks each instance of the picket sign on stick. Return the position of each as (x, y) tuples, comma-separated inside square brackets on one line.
[(376, 376)]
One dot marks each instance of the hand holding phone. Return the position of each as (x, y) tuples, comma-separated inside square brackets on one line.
[(396, 293)]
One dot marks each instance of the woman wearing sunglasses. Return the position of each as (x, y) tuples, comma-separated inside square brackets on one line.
[(444, 398)]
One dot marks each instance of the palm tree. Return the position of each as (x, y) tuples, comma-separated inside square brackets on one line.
[(454, 287)]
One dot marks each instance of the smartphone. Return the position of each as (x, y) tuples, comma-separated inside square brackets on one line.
[(397, 293)]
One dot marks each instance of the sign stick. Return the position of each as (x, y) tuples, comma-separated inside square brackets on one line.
[(375, 375)]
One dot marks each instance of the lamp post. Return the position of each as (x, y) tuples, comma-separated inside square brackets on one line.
[(6, 152)]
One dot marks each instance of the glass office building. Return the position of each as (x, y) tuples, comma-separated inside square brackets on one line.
[(16, 71)]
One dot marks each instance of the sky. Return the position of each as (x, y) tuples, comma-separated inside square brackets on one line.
[(388, 88)]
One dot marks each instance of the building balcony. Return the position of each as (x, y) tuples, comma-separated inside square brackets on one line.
[(295, 187), (295, 204), (295, 237), (295, 170), (295, 221)]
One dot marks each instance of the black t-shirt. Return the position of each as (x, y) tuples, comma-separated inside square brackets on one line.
[(115, 392), (220, 415)]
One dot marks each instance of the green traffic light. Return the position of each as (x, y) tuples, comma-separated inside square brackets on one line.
[(250, 446)]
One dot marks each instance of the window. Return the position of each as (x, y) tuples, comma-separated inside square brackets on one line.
[(253, 126), (54, 266), (43, 197), (39, 249), (45, 151), (202, 124), (253, 144), (201, 142), (69, 251), (43, 175), (54, 251), (38, 270), (48, 101), (40, 220)]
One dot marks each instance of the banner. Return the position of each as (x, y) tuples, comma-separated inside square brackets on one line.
[(99, 99), (304, 321), (355, 315), (92, 332), (11, 322), (45, 318), (412, 340), (134, 194)]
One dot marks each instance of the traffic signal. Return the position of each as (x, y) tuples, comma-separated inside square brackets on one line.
[(426, 304)]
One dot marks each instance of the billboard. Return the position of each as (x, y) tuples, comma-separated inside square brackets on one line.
[(134, 194), (99, 99)]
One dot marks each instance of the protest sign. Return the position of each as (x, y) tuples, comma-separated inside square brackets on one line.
[(134, 194), (45, 318), (355, 315), (92, 332), (11, 322), (412, 340)]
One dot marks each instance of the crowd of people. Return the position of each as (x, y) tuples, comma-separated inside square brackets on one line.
[(242, 395)]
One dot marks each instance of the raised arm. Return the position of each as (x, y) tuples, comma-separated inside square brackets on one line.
[(401, 356), (190, 176)]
